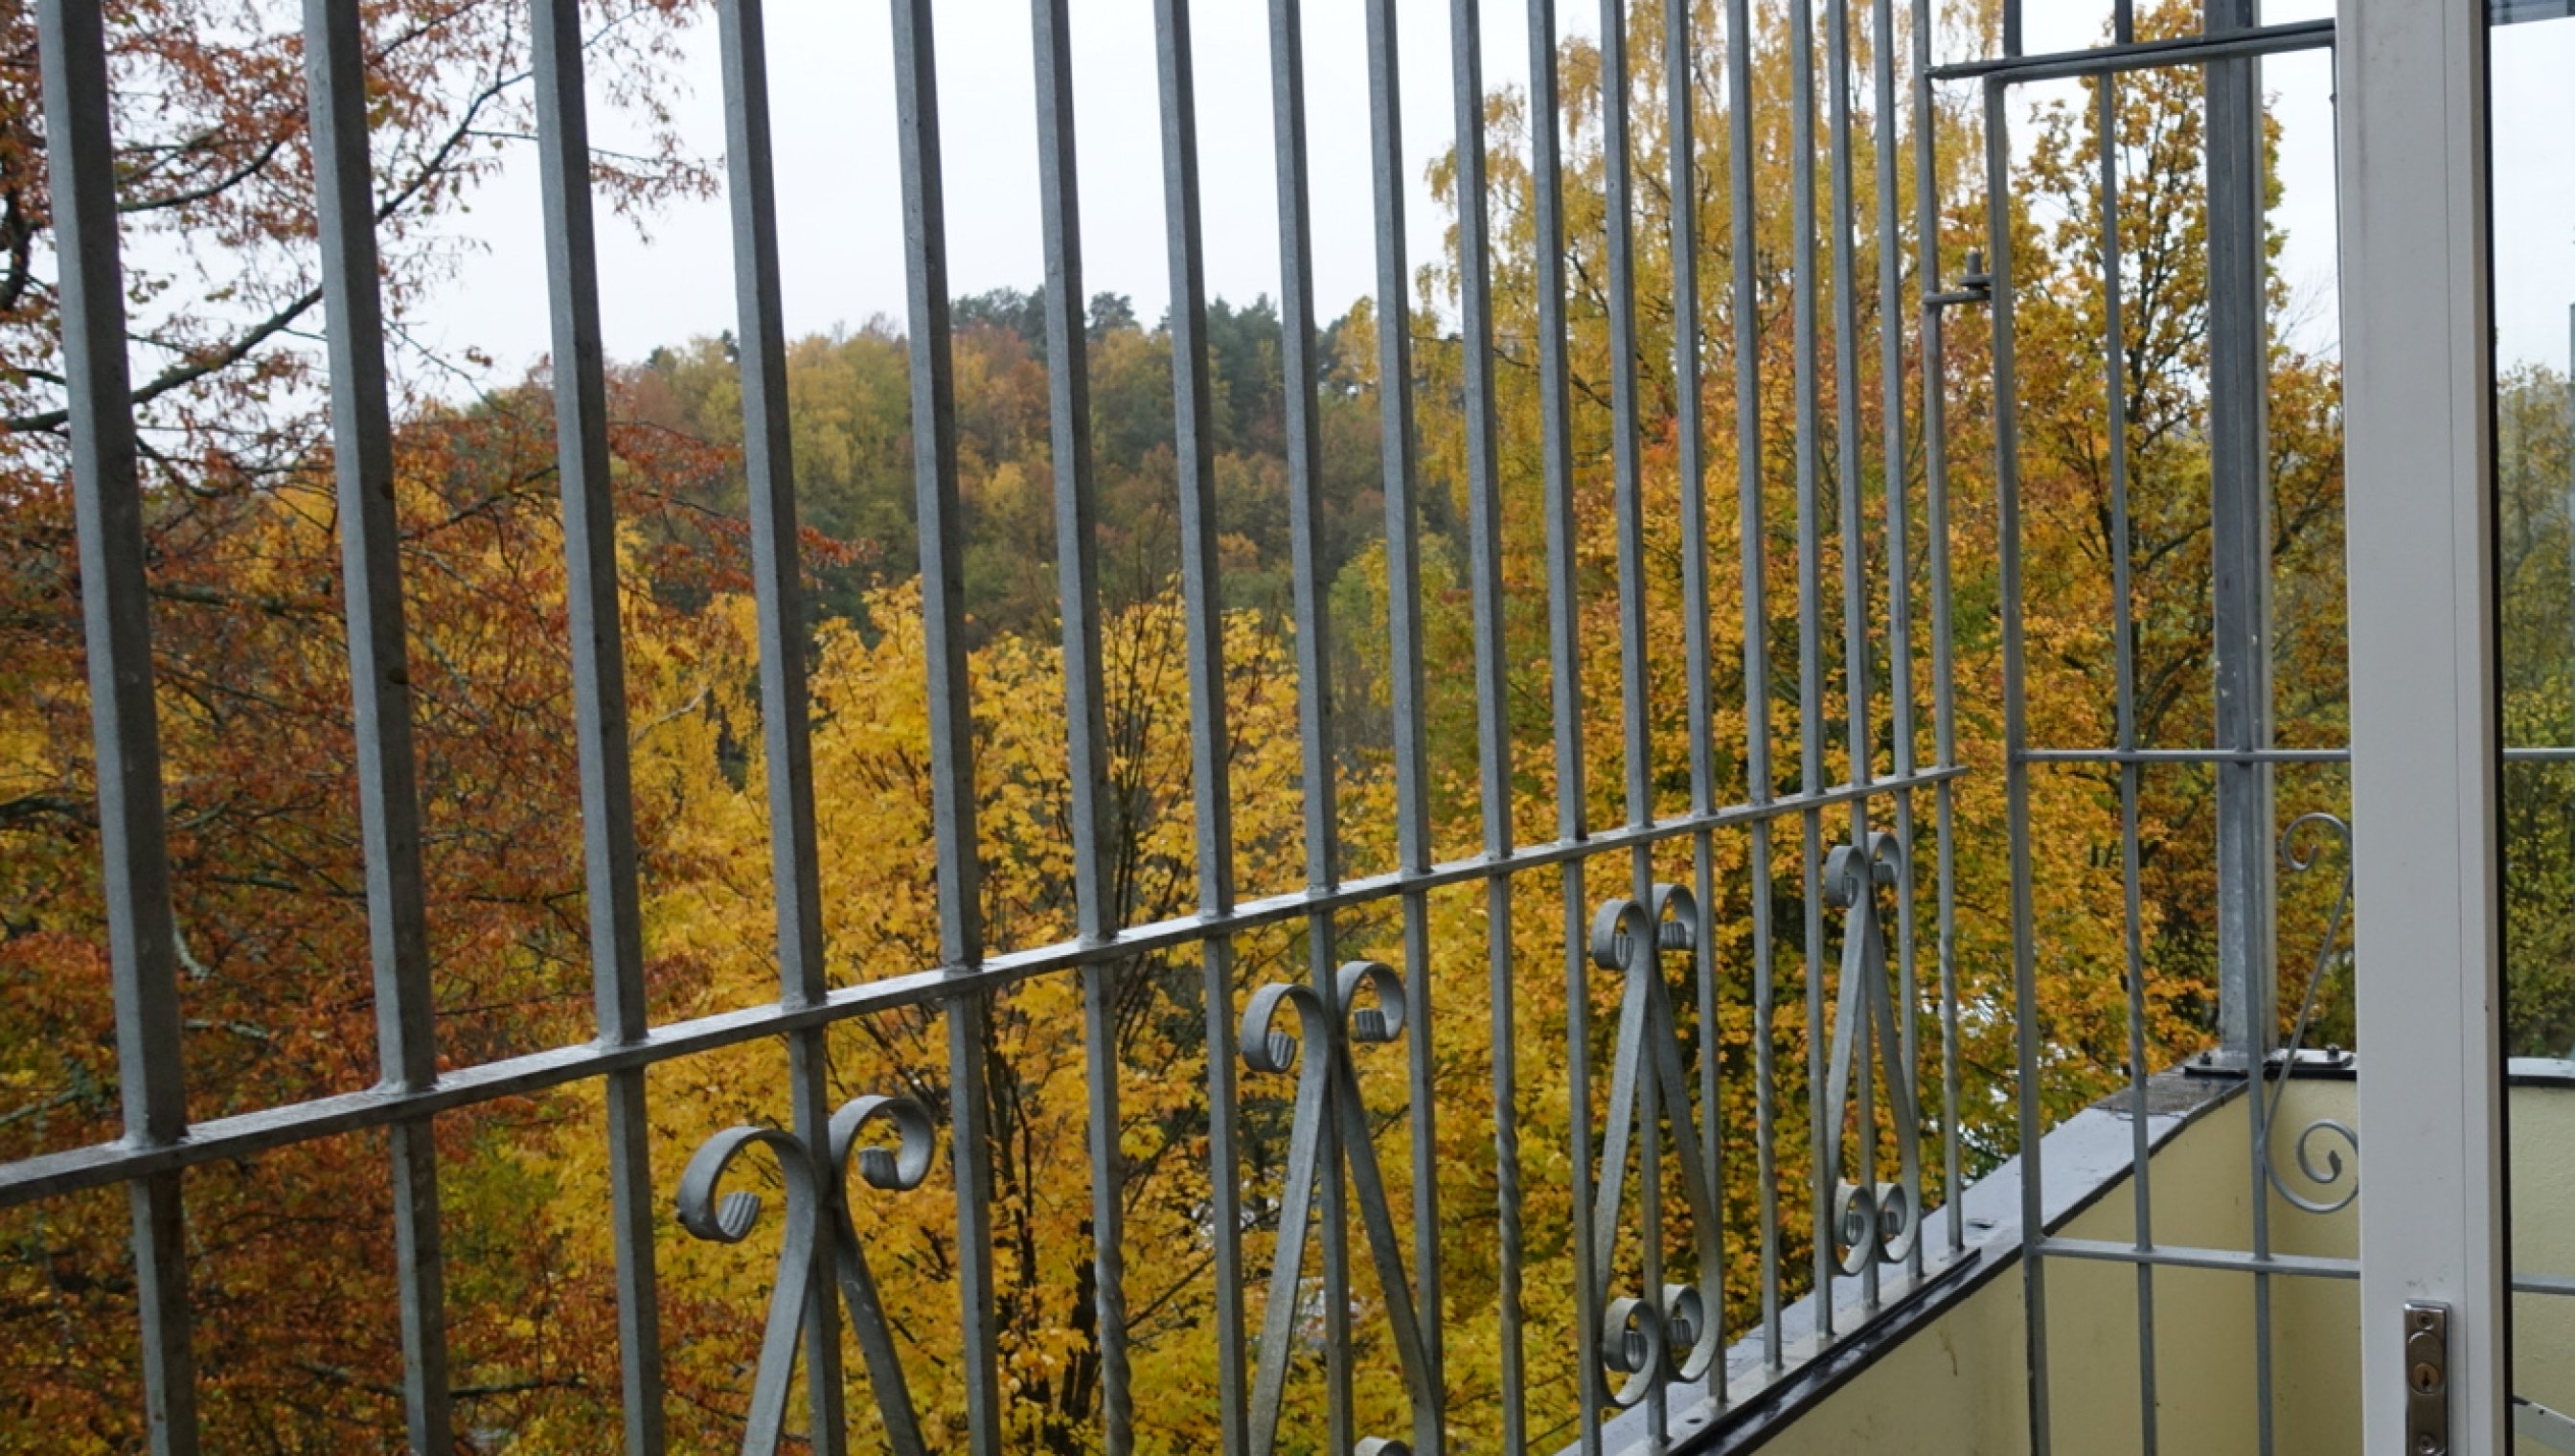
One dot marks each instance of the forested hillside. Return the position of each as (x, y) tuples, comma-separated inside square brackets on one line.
[(291, 1254)]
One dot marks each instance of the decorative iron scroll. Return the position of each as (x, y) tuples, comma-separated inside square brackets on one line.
[(1887, 1216), (1330, 1130), (2320, 831), (1671, 1334), (817, 1228)]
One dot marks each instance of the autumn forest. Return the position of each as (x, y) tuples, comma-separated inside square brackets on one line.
[(290, 1251)]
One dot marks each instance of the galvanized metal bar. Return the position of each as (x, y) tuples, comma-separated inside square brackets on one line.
[(2115, 755), (1300, 364), (1085, 715), (2015, 675), (1493, 692), (1618, 193), (379, 685), (599, 681), (951, 748), (2239, 543), (1566, 699), (1945, 679), (1858, 691), (2176, 1256), (2123, 620), (1899, 595), (2264, 40), (1681, 149), (2240, 569), (1194, 457), (107, 503), (1806, 333), (1751, 557), (779, 607), (1390, 174)]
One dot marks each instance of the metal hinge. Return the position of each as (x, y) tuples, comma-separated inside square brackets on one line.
[(2427, 1378)]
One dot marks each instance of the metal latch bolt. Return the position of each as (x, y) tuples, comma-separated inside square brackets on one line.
[(2427, 1378)]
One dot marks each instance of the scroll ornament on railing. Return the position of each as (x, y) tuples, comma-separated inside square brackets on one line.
[(2318, 831), (1330, 1130), (1671, 1334), (820, 1245), (1879, 1221)]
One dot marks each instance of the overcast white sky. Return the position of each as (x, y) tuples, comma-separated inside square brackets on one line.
[(831, 79)]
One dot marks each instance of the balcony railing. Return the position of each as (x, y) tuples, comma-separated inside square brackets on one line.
[(1808, 971)]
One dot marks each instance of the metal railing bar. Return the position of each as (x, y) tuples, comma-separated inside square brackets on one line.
[(379, 685), (2264, 40), (951, 774), (245, 1133), (1565, 694), (779, 603), (1300, 367), (2177, 1256), (1859, 691), (1194, 456), (107, 500), (1627, 490), (599, 678), (2136, 756), (1751, 557), (2239, 577), (1811, 666), (1900, 592), (1408, 699), (1492, 694), (1681, 154), (1935, 515), (2016, 773), (1086, 715), (2125, 649)]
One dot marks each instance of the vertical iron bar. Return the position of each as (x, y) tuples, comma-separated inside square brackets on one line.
[(598, 682), (2124, 627), (778, 596), (2017, 771), (1856, 675), (2240, 550), (107, 497), (1492, 682), (1810, 658), (951, 744), (1619, 198), (379, 685), (1564, 657), (1306, 507), (1194, 461), (1680, 148), (1404, 677), (1752, 559), (1899, 598), (1086, 715), (1935, 516)]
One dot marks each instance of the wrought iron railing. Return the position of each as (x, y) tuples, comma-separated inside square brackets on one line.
[(1653, 1313)]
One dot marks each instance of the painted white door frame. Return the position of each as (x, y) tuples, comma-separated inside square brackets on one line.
[(2417, 376)]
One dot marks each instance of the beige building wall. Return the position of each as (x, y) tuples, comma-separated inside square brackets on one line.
[(1960, 1385)]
